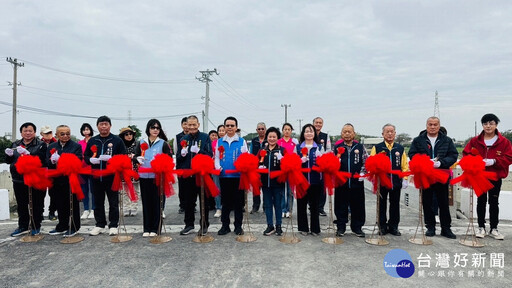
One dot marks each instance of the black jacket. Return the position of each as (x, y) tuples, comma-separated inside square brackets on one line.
[(203, 142), (36, 147), (70, 147), (104, 147), (444, 149)]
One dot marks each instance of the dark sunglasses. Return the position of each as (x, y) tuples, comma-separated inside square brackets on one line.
[(155, 127), (229, 125)]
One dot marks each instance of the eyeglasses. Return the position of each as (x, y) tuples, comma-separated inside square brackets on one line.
[(230, 125), (128, 134), (155, 127), (490, 123), (260, 129), (64, 134)]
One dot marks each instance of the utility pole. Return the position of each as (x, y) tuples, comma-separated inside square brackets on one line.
[(205, 78), (286, 111), (300, 124), (15, 64), (436, 107)]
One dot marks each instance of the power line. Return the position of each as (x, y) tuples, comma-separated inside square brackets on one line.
[(56, 113), (109, 78)]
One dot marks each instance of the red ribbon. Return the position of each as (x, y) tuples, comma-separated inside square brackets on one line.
[(291, 171), (379, 168), (474, 175), (424, 173), (70, 165), (33, 173), (203, 166), (121, 166), (163, 166), (247, 165), (329, 165)]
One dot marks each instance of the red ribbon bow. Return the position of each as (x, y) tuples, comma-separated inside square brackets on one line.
[(221, 150), (424, 173), (163, 166), (143, 147), (291, 170), (329, 165), (474, 175), (70, 165), (121, 166), (379, 168), (30, 167), (247, 165), (203, 166)]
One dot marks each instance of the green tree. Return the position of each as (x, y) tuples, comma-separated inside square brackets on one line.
[(403, 138), (138, 133), (4, 143)]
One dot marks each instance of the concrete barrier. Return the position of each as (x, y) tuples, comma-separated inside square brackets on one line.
[(4, 204)]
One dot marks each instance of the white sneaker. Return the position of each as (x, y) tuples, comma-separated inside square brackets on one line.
[(145, 234), (284, 214), (437, 219), (85, 214), (480, 233), (496, 234), (133, 213), (126, 213), (152, 234), (218, 213), (96, 231), (163, 215), (91, 215), (287, 214), (112, 231)]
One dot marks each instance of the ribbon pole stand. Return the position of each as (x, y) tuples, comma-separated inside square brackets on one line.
[(289, 237), (376, 238), (159, 239), (202, 237), (469, 238), (119, 238), (248, 236), (71, 225), (423, 240), (331, 236), (31, 224)]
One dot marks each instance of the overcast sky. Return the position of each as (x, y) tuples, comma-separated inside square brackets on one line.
[(364, 62)]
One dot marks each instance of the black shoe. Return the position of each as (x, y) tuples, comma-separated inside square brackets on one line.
[(269, 231), (394, 232), (279, 231), (383, 232), (359, 233), (431, 232), (447, 232), (254, 211), (224, 230), (322, 213), (181, 211), (56, 232), (202, 231), (239, 231), (187, 230), (340, 232)]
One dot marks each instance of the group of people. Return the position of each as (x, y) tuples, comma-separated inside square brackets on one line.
[(224, 146)]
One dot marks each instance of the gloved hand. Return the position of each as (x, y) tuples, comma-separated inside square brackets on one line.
[(243, 149), (361, 179), (304, 159), (318, 153), (105, 157), (279, 156), (489, 162), (194, 149), (9, 151), (405, 183), (437, 164), (22, 150), (140, 159), (218, 167), (55, 157), (184, 152), (262, 167), (94, 160)]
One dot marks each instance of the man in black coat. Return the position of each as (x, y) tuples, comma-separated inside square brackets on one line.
[(443, 154)]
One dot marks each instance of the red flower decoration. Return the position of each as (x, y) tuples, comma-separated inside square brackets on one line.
[(291, 171), (94, 151), (329, 166), (121, 167), (304, 151), (143, 147), (247, 165), (53, 150), (341, 150), (474, 175), (183, 144), (33, 173), (424, 173), (379, 168), (262, 154), (70, 165), (221, 150), (203, 166)]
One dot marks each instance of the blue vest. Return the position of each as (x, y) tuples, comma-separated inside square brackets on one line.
[(395, 156), (149, 155), (351, 161), (231, 153), (312, 176)]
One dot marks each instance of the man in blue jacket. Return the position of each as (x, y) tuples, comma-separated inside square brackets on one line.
[(443, 154)]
